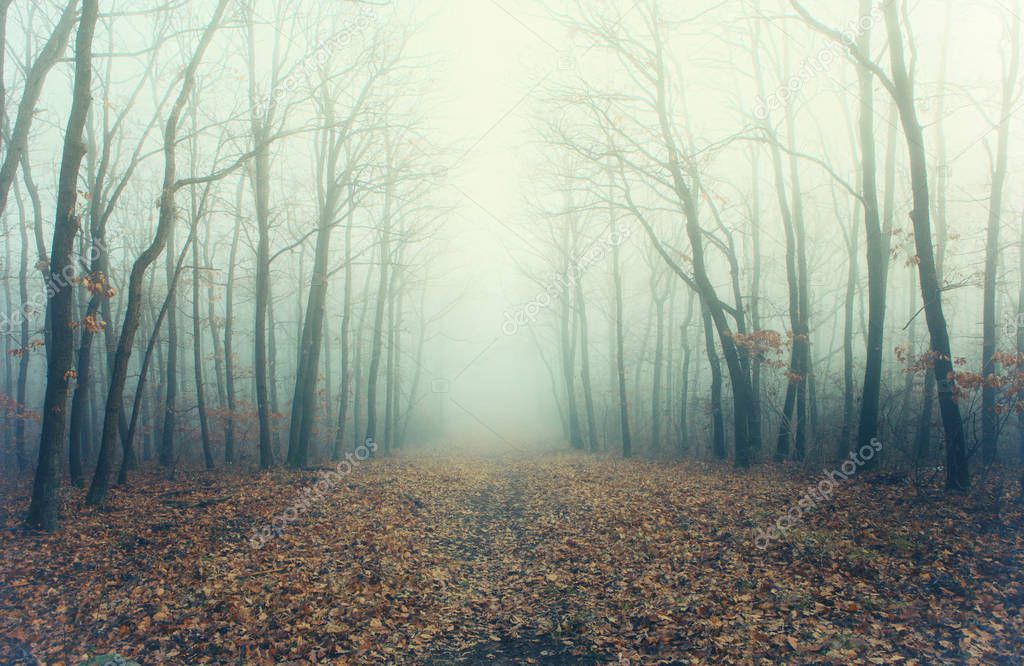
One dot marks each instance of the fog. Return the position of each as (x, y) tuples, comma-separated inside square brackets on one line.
[(506, 156), (511, 331)]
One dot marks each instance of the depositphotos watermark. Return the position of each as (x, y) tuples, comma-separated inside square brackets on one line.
[(318, 57), (1013, 325), (523, 315), (313, 494), (35, 306), (818, 493), (816, 65)]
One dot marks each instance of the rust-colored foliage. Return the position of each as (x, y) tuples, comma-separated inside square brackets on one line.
[(566, 560)]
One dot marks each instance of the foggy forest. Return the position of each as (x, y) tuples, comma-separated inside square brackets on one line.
[(511, 332)]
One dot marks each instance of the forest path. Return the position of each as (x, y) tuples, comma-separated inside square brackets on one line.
[(551, 559), (496, 524)]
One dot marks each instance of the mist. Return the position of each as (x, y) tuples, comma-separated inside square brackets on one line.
[(511, 268)]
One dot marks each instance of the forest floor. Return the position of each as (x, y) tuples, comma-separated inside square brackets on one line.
[(557, 560)]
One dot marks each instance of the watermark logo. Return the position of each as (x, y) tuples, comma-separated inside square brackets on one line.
[(35, 305), (527, 313), (1013, 325), (319, 57), (312, 495), (816, 65), (817, 494)]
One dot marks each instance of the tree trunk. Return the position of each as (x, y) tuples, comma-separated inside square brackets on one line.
[(346, 324), (718, 449), (989, 392), (588, 391), (229, 314), (24, 358), (376, 341), (260, 185), (659, 354), (852, 280), (147, 357), (119, 371), (197, 350), (43, 510), (957, 474), (620, 356), (168, 457), (877, 250)]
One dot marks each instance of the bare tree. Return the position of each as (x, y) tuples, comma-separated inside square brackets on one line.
[(1011, 93), (170, 185), (42, 513)]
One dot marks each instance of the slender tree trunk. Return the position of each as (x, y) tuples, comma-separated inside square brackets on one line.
[(390, 373), (784, 439), (1020, 341), (311, 340), (805, 399), (684, 386), (620, 355), (568, 338), (211, 313), (147, 357), (376, 341), (877, 250), (119, 371), (24, 358), (852, 280), (304, 400), (756, 440), (989, 392), (197, 353), (229, 318), (346, 323), (588, 390), (43, 510), (957, 474), (260, 185), (659, 354), (718, 448), (8, 426), (396, 410), (168, 457), (357, 375)]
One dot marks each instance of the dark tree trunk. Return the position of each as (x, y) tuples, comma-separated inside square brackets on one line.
[(852, 280), (376, 340), (168, 457), (1020, 340), (877, 250), (620, 355), (197, 351), (119, 371), (718, 449), (24, 358), (43, 510), (989, 392), (684, 386), (659, 355), (346, 324), (686, 193), (957, 474), (147, 357), (229, 313), (588, 390), (260, 185)]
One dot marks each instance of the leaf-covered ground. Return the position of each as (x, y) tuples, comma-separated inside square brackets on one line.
[(557, 560)]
